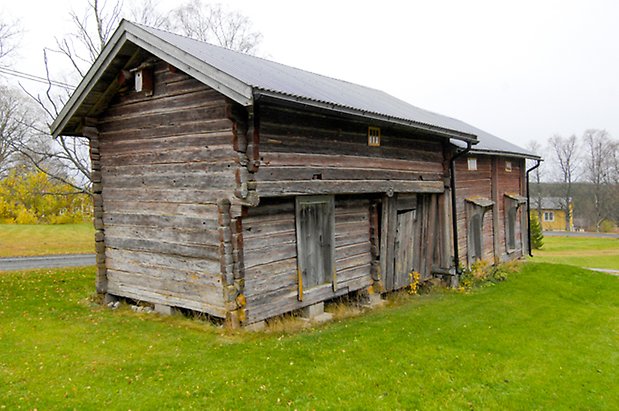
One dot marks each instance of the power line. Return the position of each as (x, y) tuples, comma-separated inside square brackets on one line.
[(32, 77)]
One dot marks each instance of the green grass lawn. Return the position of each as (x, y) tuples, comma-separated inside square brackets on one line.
[(547, 338), (42, 239), (580, 251)]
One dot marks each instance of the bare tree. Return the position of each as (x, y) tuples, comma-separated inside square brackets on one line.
[(215, 24), (598, 171), (565, 152), (92, 28), (9, 33), (16, 120), (149, 13)]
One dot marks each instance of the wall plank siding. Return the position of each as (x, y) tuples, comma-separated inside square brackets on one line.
[(309, 153), (166, 161), (269, 236), (478, 183)]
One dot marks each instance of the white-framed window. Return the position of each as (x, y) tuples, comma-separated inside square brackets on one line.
[(315, 224), (508, 166), (472, 163), (549, 216)]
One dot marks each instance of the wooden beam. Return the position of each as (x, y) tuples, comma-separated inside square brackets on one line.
[(288, 188)]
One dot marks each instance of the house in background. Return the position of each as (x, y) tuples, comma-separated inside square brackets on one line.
[(242, 188), (553, 212)]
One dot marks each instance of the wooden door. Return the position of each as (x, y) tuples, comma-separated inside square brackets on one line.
[(404, 241), (398, 240), (315, 226)]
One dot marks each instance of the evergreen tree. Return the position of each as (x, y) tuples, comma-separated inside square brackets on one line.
[(537, 237)]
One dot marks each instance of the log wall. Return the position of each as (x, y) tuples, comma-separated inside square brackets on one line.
[(511, 182), (269, 242), (166, 160), (490, 181), (309, 153), (471, 184)]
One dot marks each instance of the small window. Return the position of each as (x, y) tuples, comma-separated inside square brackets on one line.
[(472, 163), (315, 223), (549, 216), (508, 166), (374, 136)]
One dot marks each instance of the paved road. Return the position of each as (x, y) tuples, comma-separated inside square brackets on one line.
[(579, 234), (48, 261)]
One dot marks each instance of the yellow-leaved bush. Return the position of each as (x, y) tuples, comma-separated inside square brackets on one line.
[(31, 197)]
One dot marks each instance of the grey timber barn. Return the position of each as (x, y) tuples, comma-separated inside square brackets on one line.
[(242, 188)]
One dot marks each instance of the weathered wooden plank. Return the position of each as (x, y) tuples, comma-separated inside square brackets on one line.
[(168, 130), (220, 153), (169, 117), (253, 230), (265, 271), (274, 173), (155, 277), (288, 188), (266, 243), (197, 180), (164, 210), (279, 283), (355, 249), (343, 239), (163, 262), (165, 195), (121, 288), (322, 160), (351, 216), (127, 144), (167, 234), (262, 256), (202, 251), (183, 98), (123, 217), (185, 287), (193, 167), (354, 261), (271, 306), (328, 145)]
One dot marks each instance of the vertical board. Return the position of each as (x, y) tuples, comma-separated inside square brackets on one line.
[(404, 241), (315, 240)]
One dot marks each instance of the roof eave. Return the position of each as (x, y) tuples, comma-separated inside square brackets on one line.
[(88, 82), (205, 73), (506, 153), (444, 132)]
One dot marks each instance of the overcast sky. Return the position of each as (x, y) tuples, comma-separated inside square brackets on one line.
[(522, 70)]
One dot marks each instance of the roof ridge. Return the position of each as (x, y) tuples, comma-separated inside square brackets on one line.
[(144, 26)]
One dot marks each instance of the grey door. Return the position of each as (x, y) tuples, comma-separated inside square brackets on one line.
[(315, 241), (398, 240)]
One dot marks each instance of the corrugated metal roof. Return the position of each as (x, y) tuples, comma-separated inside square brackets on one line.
[(269, 76), (240, 76), (491, 144)]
